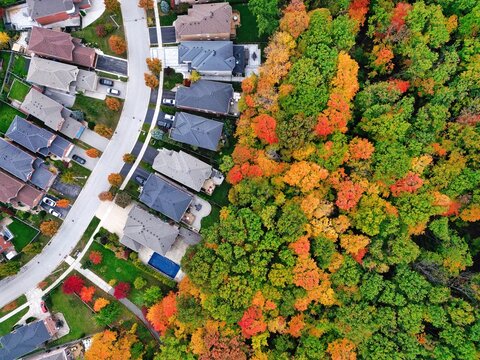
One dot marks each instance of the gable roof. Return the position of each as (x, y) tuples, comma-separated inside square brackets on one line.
[(87, 80), (52, 74), (205, 19), (40, 8), (162, 196), (196, 131), (43, 108), (207, 55), (30, 136), (23, 340), (9, 187), (182, 167), (15, 161), (60, 45), (205, 95), (42, 176), (28, 195), (144, 229)]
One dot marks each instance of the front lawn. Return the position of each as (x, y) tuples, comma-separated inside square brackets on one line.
[(80, 174), (18, 90), (7, 325), (247, 32), (171, 78), (7, 113), (123, 271), (167, 19), (24, 234), (20, 66), (96, 111), (90, 37)]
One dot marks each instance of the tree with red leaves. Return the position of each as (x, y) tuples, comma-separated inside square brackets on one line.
[(161, 313), (73, 284), (348, 194), (252, 322), (95, 257), (410, 183), (399, 85), (264, 127), (121, 290), (398, 17), (296, 325), (239, 172), (358, 10), (86, 294)]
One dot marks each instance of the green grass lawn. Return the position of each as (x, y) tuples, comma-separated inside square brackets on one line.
[(169, 81), (79, 317), (18, 90), (7, 325), (19, 66), (167, 19), (211, 219), (96, 111), (89, 36), (247, 32), (23, 233), (80, 173), (5, 58), (7, 113), (123, 270)]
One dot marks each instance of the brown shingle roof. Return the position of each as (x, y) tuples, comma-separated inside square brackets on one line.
[(205, 19), (9, 187), (29, 196)]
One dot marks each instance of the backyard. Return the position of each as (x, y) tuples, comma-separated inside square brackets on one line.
[(20, 66), (96, 111), (90, 37), (23, 234), (247, 32), (4, 59), (18, 90), (7, 113)]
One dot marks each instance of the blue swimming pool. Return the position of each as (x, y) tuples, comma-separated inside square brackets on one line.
[(164, 265)]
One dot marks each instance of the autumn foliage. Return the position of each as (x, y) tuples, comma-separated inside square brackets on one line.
[(410, 184), (117, 44), (49, 227), (92, 152), (295, 18), (121, 290), (73, 284), (63, 203), (252, 322), (105, 196), (115, 179), (358, 10), (161, 315), (264, 126), (111, 345), (95, 257), (151, 80), (113, 103), (100, 303), (87, 292)]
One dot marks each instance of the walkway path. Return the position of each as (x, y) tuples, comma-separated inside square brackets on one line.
[(125, 137)]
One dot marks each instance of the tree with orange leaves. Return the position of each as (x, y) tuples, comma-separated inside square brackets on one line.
[(100, 303), (161, 314), (348, 194), (86, 294), (306, 273), (305, 175), (252, 322), (112, 103), (358, 10), (63, 203), (353, 243), (117, 44), (92, 152), (111, 345), (342, 349), (360, 149), (264, 127), (296, 325), (410, 184), (295, 18)]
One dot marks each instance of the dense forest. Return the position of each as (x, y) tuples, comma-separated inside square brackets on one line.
[(353, 224)]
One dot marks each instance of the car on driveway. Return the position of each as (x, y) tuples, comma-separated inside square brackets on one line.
[(168, 101), (54, 213), (49, 201), (43, 306), (106, 82), (169, 117), (140, 179), (113, 91), (79, 159)]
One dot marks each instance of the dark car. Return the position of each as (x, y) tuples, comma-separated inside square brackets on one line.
[(106, 82), (79, 159), (140, 179)]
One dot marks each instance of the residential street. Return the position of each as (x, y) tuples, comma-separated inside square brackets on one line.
[(75, 224)]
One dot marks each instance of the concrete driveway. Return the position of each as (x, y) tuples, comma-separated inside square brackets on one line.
[(95, 11), (83, 210), (90, 162), (101, 91), (91, 138)]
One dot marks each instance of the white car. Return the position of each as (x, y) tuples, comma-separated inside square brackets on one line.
[(49, 202), (168, 101), (113, 91), (169, 117), (55, 213)]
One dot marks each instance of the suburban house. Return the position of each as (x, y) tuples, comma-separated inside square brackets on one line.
[(37, 139), (214, 21), (25, 166), (60, 76), (7, 249), (205, 96), (212, 57), (187, 170), (61, 46), (27, 338), (196, 131), (17, 193), (160, 195), (53, 114), (51, 11)]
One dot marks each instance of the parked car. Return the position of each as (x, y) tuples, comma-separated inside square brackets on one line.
[(169, 117), (49, 201), (168, 101), (79, 159), (55, 213), (113, 91), (106, 82), (43, 306), (140, 179)]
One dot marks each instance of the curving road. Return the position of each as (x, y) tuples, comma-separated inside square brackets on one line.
[(125, 137)]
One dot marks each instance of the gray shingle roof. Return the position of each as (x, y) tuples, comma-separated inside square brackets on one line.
[(43, 108), (23, 340), (52, 74), (207, 55), (162, 196), (144, 229), (182, 167), (31, 137), (205, 95), (87, 80), (41, 8), (42, 177), (15, 161), (196, 131)]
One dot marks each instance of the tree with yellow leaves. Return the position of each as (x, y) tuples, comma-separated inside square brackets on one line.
[(111, 345)]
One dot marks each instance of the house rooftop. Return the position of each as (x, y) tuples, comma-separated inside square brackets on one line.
[(182, 167), (207, 56), (43, 108), (205, 95), (42, 176), (145, 229), (196, 131), (15, 161), (52, 74), (166, 198), (13, 191), (87, 80), (41, 8)]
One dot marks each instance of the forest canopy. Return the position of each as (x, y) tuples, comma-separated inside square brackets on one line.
[(353, 224)]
